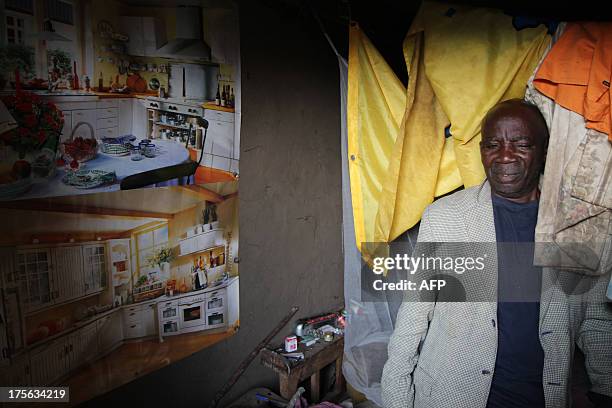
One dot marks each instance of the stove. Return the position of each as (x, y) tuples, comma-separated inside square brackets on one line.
[(192, 107)]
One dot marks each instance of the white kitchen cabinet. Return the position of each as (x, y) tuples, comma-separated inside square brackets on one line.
[(149, 322), (233, 302), (202, 241), (221, 135), (68, 278), (132, 323), (120, 261), (187, 246), (107, 133), (49, 362), (57, 358), (139, 118), (105, 123), (34, 277), (124, 117), (146, 34), (94, 267), (168, 318), (83, 345), (110, 332), (65, 135), (221, 163), (87, 116), (139, 321), (111, 112)]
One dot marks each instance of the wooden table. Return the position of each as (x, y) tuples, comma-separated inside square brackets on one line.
[(316, 358)]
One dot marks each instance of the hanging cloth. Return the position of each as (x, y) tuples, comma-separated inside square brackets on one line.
[(461, 62), (376, 105), (577, 73)]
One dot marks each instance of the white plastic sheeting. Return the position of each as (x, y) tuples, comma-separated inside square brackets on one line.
[(369, 323)]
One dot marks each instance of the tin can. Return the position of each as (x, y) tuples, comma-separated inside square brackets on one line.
[(291, 344)]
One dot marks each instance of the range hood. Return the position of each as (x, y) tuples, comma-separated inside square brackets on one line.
[(188, 43)]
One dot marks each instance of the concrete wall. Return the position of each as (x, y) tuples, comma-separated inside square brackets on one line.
[(290, 205)]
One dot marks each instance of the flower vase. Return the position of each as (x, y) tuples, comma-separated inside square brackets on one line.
[(164, 269)]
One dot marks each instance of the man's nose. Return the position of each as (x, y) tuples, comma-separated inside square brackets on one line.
[(506, 153)]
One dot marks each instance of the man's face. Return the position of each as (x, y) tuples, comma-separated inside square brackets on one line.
[(513, 153)]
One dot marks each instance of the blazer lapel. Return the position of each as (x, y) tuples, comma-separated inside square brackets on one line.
[(480, 227)]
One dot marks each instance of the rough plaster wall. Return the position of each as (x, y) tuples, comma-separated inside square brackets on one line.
[(290, 206)]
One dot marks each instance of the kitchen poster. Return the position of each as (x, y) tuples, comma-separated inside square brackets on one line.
[(102, 288), (119, 168)]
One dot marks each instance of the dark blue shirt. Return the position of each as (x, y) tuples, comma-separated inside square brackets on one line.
[(517, 378)]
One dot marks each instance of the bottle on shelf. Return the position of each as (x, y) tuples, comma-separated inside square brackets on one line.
[(218, 97), (223, 96), (232, 98), (100, 82)]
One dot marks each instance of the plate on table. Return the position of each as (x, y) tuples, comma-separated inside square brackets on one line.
[(117, 146), (84, 179)]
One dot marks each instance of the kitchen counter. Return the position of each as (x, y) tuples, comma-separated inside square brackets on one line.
[(75, 326), (84, 322), (212, 106), (164, 298), (110, 95), (79, 95)]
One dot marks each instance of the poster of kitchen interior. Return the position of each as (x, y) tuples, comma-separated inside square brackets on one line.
[(100, 289), (112, 95)]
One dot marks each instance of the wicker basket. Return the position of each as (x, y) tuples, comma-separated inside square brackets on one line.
[(80, 154)]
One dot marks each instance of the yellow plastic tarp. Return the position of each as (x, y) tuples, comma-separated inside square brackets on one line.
[(458, 67)]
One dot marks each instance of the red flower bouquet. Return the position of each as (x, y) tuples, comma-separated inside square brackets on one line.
[(40, 123), (39, 126)]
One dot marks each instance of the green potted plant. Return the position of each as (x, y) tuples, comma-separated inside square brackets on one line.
[(209, 218), (15, 57), (162, 258)]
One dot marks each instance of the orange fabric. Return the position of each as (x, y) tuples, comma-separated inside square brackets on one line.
[(576, 73)]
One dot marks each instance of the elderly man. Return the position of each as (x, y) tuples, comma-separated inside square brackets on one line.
[(500, 352)]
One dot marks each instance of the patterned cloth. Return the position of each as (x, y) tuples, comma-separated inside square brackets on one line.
[(574, 221), (442, 354)]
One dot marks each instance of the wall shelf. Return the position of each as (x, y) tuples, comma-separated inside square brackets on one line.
[(199, 251)]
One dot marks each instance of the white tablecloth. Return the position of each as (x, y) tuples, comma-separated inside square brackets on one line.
[(170, 153)]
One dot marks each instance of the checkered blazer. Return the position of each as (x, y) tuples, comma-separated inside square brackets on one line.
[(443, 354)]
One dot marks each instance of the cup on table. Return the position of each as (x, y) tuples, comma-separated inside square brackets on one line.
[(135, 154)]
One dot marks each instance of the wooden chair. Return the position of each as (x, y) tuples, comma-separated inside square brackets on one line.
[(177, 171)]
